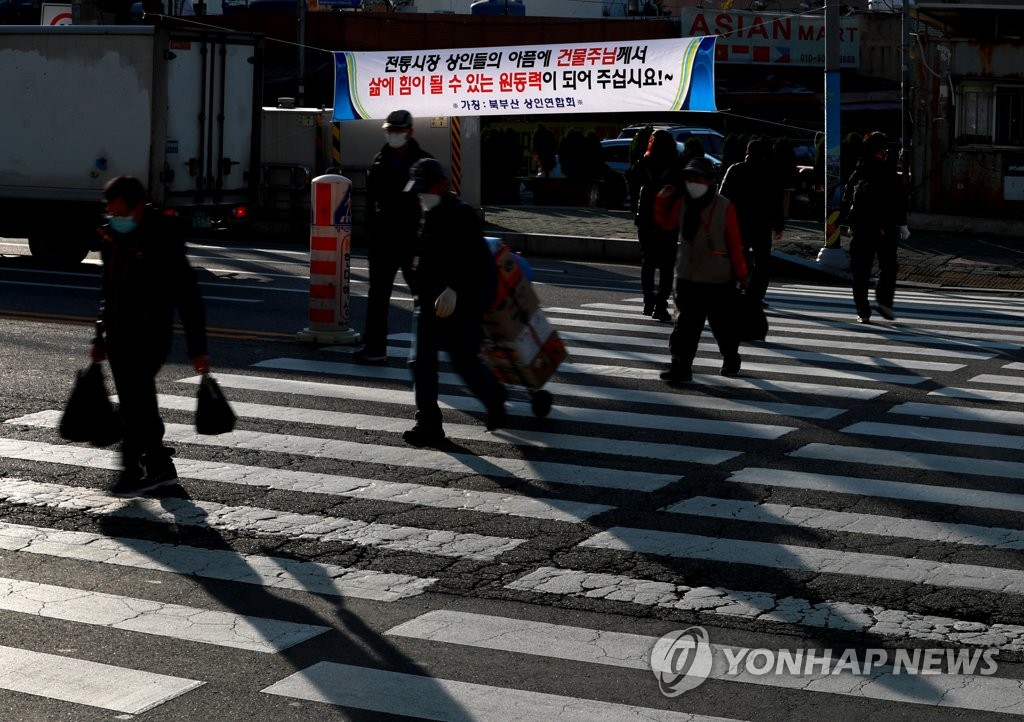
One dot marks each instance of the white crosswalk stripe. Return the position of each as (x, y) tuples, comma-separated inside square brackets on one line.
[(886, 471)]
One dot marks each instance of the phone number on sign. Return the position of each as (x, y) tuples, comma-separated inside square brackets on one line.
[(820, 58)]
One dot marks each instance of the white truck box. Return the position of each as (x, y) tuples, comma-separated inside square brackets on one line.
[(179, 109)]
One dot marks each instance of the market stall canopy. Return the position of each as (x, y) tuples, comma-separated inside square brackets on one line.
[(603, 77)]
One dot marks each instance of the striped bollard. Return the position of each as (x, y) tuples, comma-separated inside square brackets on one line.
[(330, 241)]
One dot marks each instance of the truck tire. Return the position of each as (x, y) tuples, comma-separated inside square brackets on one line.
[(59, 247)]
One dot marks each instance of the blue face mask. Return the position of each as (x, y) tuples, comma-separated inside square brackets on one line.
[(122, 224)]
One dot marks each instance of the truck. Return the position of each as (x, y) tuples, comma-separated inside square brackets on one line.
[(178, 108)]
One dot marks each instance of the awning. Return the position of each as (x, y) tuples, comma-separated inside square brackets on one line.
[(602, 77)]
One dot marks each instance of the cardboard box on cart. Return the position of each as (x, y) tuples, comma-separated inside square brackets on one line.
[(531, 358), (515, 300)]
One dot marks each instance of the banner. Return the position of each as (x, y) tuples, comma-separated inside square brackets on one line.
[(604, 77)]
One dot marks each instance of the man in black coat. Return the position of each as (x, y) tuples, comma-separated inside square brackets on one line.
[(146, 277), (755, 187), (392, 218), (454, 283), (877, 215)]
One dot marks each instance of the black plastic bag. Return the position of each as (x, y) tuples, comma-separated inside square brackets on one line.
[(88, 414), (213, 412), (751, 321)]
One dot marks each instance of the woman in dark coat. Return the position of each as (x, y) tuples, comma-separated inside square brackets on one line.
[(657, 246)]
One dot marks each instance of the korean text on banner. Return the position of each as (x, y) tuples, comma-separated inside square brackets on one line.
[(634, 75)]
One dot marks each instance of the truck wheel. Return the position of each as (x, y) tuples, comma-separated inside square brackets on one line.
[(57, 248)]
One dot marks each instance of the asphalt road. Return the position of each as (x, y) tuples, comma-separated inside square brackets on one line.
[(856, 489)]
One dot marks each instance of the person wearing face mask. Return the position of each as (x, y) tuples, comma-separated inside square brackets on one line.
[(709, 263), (454, 281), (392, 217), (146, 277)]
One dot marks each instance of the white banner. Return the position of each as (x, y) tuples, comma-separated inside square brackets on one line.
[(771, 38), (634, 75)]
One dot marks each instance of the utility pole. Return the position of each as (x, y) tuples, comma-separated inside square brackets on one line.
[(301, 95), (832, 253), (907, 126)]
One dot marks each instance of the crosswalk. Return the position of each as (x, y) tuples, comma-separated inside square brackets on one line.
[(855, 482)]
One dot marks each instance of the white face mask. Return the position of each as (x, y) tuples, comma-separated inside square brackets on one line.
[(396, 140), (696, 190), (429, 201)]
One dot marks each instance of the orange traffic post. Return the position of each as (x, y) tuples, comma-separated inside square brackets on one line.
[(330, 244)]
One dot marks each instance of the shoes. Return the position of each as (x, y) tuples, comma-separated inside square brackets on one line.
[(863, 319), (885, 312), (661, 314), (362, 356), (764, 304), (648, 308), (161, 474), (676, 374), (132, 482), (424, 435), (497, 418), (731, 367)]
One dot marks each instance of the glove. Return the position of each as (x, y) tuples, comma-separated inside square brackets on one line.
[(201, 364), (445, 303), (904, 233)]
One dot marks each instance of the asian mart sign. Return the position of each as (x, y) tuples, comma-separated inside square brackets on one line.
[(772, 38), (635, 75)]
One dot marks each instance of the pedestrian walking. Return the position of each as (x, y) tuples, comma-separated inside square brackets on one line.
[(146, 277), (755, 188), (877, 216), (454, 281), (392, 218), (657, 168), (710, 262)]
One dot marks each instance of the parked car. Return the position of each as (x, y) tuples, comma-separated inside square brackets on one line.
[(615, 153), (712, 140)]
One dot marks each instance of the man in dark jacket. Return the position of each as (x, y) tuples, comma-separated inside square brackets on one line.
[(755, 188), (146, 277), (392, 218), (877, 215), (454, 283)]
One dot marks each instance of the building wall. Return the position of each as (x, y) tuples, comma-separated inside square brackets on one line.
[(952, 174)]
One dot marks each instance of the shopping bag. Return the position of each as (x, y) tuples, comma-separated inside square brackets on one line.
[(213, 412), (751, 321), (88, 414)]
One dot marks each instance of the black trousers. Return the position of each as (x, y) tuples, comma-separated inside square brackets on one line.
[(657, 256), (134, 371), (714, 303), (760, 261), (864, 248), (385, 261), (461, 337)]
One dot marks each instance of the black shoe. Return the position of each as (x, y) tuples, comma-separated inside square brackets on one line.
[(863, 319), (885, 312), (161, 474), (764, 304), (131, 482), (424, 435), (661, 314), (648, 308), (366, 358), (731, 367), (497, 418), (676, 374)]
